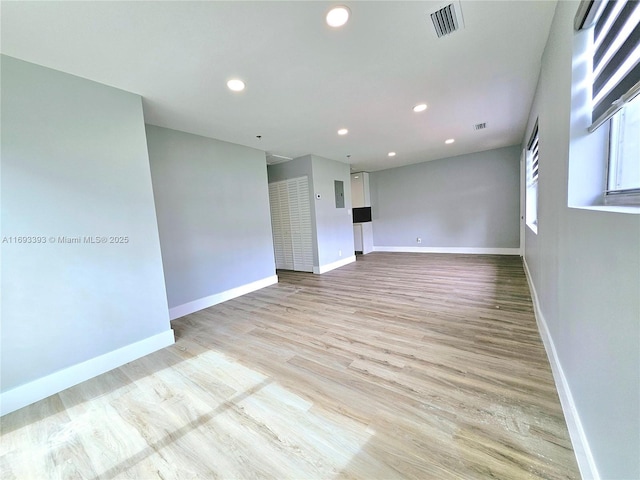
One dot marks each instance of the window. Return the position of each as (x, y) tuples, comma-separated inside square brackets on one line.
[(616, 54), (615, 84), (623, 181), (531, 200)]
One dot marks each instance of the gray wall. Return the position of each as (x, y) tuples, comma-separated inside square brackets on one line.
[(212, 202), (585, 265), (467, 201), (299, 167), (332, 227), (74, 163)]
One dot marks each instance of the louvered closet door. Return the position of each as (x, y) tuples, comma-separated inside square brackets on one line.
[(280, 224), (291, 224), (285, 212), (301, 224)]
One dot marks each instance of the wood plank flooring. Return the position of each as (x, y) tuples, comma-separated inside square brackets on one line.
[(419, 366)]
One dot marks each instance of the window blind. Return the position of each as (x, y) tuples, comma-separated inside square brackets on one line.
[(532, 146), (616, 54)]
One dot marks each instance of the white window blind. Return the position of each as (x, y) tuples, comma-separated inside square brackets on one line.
[(532, 147), (616, 54), (531, 198)]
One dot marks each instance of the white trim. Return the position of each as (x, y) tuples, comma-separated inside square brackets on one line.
[(523, 199), (332, 266), (467, 250), (31, 392), (579, 440), (612, 209), (211, 300)]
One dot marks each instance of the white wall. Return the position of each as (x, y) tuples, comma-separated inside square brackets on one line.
[(471, 201), (212, 201), (585, 267), (74, 164)]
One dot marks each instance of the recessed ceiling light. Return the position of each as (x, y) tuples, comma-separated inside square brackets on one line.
[(449, 141), (421, 107), (343, 131), (338, 16), (392, 154), (235, 85)]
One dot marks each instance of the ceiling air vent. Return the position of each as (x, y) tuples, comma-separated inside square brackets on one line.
[(480, 126), (448, 19), (445, 21)]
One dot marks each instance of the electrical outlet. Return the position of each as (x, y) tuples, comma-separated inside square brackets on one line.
[(419, 240)]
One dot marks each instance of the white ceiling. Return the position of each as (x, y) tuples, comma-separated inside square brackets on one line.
[(304, 79)]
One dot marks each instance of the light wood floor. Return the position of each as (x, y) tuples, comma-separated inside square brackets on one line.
[(398, 366)]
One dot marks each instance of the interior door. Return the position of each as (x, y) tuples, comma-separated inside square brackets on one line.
[(291, 224)]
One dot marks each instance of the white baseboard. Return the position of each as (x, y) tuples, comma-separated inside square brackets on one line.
[(332, 266), (211, 300), (31, 392), (581, 449), (465, 250)]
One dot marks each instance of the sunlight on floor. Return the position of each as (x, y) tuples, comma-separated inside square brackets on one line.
[(246, 423)]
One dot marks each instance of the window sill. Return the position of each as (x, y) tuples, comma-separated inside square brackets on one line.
[(612, 209), (622, 200)]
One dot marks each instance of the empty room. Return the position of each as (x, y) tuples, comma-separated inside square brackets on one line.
[(313, 240)]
